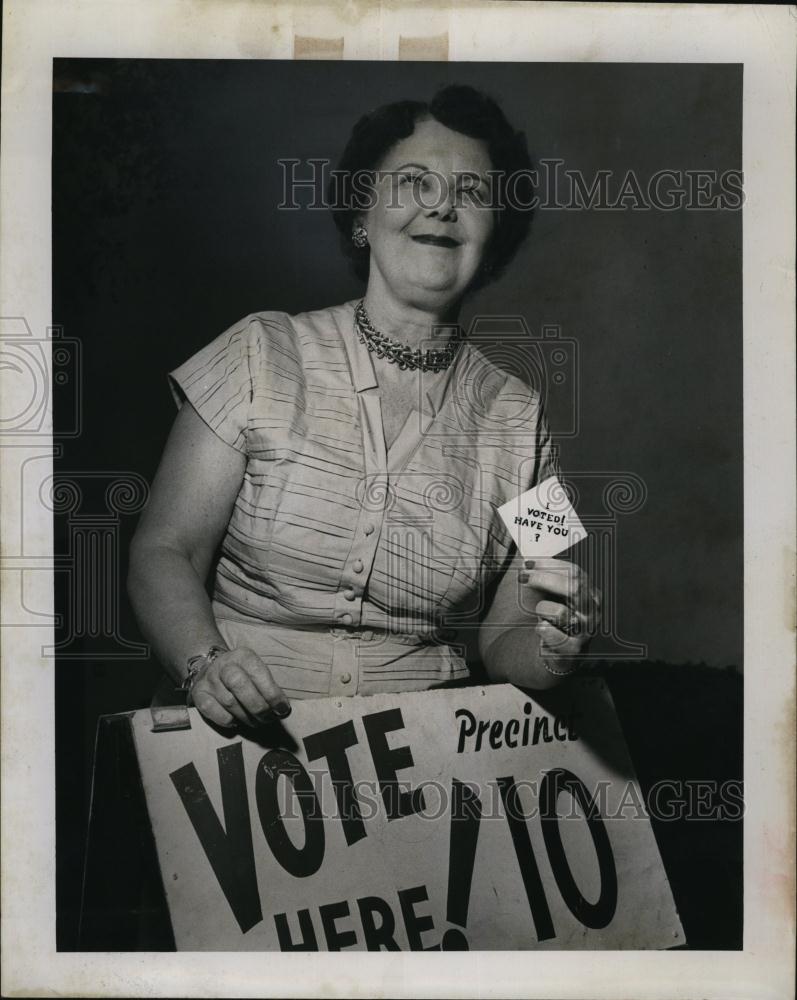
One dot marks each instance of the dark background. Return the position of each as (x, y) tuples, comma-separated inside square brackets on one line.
[(166, 231)]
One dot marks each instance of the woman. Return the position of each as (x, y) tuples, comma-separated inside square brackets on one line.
[(349, 469)]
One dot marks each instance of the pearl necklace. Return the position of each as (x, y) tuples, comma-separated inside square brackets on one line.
[(397, 353)]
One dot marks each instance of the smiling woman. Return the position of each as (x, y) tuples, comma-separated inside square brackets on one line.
[(426, 240), (324, 455), (459, 148)]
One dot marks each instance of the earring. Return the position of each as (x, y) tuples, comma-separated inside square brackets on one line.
[(359, 237)]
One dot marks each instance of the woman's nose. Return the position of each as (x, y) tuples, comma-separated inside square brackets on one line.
[(443, 205), (447, 211)]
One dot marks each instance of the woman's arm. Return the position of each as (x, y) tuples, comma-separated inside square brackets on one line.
[(189, 507), (188, 511), (519, 640)]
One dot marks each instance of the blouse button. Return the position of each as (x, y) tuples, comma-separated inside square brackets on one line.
[(346, 619), (349, 594), (369, 529), (357, 566), (345, 678)]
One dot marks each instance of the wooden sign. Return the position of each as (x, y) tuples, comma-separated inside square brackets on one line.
[(472, 818)]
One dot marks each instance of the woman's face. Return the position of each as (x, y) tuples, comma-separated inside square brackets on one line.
[(431, 222)]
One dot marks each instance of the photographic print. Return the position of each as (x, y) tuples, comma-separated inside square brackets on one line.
[(386, 478)]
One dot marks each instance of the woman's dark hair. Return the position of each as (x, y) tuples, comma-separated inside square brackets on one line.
[(462, 109)]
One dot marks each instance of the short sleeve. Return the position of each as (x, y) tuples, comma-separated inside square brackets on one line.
[(546, 463), (217, 381)]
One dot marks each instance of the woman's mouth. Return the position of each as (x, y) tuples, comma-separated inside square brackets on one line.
[(436, 241)]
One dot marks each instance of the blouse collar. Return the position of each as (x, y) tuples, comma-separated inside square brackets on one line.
[(361, 363)]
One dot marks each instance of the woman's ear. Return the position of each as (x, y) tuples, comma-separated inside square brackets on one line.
[(358, 218)]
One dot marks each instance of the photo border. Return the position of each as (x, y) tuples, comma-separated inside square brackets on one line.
[(762, 38)]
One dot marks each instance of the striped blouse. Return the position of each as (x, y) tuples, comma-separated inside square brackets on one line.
[(343, 560)]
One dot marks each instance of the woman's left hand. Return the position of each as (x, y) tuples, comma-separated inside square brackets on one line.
[(569, 612)]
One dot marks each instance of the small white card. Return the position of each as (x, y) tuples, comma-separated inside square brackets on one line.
[(542, 521)]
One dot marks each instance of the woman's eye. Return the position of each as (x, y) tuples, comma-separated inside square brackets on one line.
[(473, 195), (470, 187)]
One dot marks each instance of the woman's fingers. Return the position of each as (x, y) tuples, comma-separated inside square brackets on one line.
[(271, 693), (237, 685), (567, 581), (211, 709), (557, 614), (237, 693), (556, 642), (560, 615), (569, 612), (228, 700), (567, 619), (561, 579)]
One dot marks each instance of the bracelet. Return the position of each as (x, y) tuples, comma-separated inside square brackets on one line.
[(558, 673), (195, 664)]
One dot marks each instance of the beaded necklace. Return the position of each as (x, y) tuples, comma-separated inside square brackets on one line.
[(397, 353)]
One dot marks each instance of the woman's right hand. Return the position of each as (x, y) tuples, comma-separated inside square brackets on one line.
[(237, 686)]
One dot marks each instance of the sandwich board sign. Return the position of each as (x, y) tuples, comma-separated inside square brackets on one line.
[(469, 818)]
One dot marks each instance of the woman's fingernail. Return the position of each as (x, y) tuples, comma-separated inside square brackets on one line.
[(282, 710), (523, 577), (529, 564)]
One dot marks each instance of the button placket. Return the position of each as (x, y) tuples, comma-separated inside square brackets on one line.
[(368, 529), (375, 488), (345, 676)]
